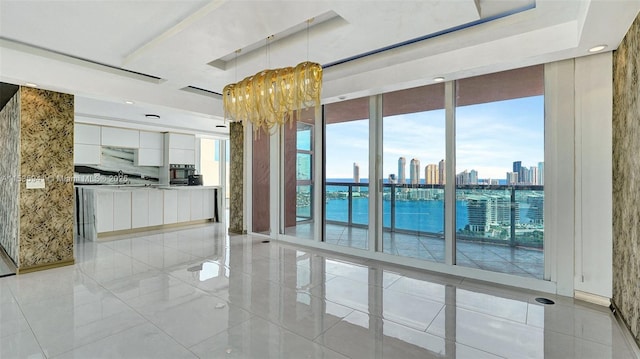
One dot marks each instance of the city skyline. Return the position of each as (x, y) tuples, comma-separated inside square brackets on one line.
[(488, 138)]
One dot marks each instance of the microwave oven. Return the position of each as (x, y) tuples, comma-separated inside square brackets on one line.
[(179, 174)]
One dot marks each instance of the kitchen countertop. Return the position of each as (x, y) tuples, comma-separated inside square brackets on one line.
[(142, 187)]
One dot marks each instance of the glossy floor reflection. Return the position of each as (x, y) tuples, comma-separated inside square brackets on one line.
[(525, 262), (197, 292)]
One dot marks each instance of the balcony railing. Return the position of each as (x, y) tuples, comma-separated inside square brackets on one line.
[(502, 214)]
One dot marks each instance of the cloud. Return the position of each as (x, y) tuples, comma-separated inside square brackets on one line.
[(489, 138)]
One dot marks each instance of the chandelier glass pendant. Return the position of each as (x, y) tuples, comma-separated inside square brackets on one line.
[(269, 98)]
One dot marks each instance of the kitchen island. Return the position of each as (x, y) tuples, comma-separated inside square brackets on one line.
[(103, 211)]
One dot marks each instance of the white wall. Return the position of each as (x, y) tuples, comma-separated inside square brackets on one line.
[(578, 176), (593, 166), (559, 174)]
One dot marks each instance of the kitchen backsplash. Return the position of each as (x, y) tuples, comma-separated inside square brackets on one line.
[(112, 161)]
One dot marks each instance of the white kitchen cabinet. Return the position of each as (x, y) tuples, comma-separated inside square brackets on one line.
[(196, 204), (180, 141), (139, 209), (184, 207), (148, 157), (86, 134), (152, 140), (120, 137), (86, 154), (121, 210), (170, 206), (156, 206), (209, 203), (104, 211), (182, 157)]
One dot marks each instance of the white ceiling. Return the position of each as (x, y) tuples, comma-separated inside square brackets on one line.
[(83, 46)]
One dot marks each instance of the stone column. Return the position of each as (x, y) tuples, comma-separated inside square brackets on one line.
[(36, 139), (236, 179), (626, 171)]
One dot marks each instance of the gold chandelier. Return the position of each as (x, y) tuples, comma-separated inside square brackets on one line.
[(269, 98)]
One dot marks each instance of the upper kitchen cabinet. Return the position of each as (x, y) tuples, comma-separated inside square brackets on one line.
[(150, 152), (120, 137), (181, 148), (86, 144), (86, 134), (153, 140), (182, 142)]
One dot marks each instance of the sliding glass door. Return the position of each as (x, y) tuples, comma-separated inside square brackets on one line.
[(346, 191), (500, 172), (413, 152), (482, 138), (298, 163)]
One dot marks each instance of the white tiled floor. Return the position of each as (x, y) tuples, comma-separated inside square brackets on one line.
[(198, 293)]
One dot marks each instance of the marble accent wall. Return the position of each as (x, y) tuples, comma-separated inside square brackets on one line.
[(46, 151), (236, 173), (626, 175), (9, 175)]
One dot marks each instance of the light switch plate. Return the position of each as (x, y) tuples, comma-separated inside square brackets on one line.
[(35, 183)]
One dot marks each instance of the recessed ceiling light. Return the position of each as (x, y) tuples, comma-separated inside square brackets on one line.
[(153, 116), (597, 48), (221, 126), (438, 79), (129, 102), (31, 84)]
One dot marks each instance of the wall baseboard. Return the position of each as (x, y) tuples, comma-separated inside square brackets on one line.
[(40, 267), (236, 231), (115, 234), (592, 298)]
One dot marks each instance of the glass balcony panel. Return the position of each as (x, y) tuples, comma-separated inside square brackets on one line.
[(500, 173)]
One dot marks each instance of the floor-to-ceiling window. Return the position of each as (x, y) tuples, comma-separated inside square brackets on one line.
[(298, 163), (483, 137), (500, 172), (346, 155), (413, 149)]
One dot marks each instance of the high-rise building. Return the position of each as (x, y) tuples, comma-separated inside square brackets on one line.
[(501, 207), (441, 172), (431, 174), (512, 177), (473, 177), (524, 176), (356, 173), (485, 211), (414, 171), (516, 166), (541, 173), (533, 173), (402, 163), (462, 178), (536, 208), (479, 211)]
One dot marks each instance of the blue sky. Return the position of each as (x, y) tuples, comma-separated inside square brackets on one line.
[(489, 138)]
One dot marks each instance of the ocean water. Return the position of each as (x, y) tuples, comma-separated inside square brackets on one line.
[(423, 216), (416, 215)]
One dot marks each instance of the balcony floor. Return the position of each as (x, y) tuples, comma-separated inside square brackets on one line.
[(520, 261)]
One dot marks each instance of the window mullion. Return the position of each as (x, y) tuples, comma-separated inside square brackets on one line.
[(450, 173)]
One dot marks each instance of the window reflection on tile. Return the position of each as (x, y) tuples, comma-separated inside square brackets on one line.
[(244, 298)]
